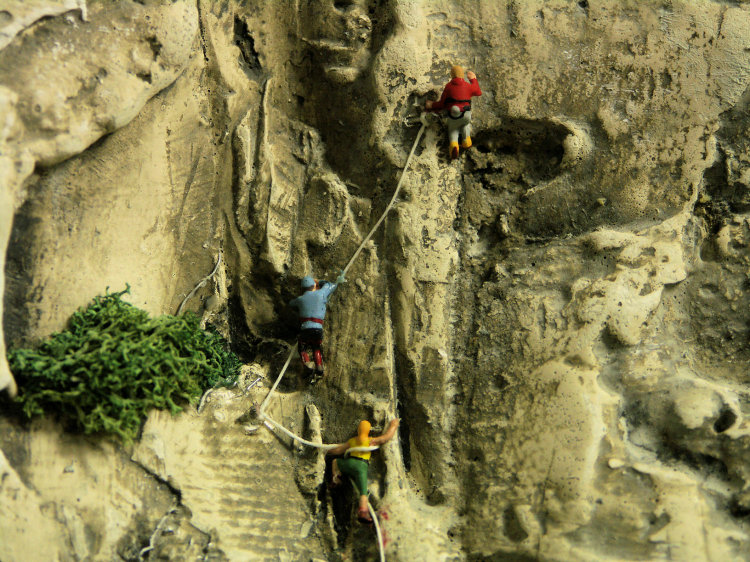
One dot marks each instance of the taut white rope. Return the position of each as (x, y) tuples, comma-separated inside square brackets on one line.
[(392, 201), (270, 423)]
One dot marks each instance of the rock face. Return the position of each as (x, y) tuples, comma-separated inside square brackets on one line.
[(559, 318)]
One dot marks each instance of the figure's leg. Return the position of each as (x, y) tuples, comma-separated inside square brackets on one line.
[(357, 471), (303, 346), (360, 483), (335, 474), (363, 513), (318, 353), (363, 503), (304, 355), (466, 130), (453, 130)]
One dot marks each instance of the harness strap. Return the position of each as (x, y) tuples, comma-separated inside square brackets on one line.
[(464, 110)]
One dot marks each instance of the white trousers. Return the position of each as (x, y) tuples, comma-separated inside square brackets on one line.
[(460, 126)]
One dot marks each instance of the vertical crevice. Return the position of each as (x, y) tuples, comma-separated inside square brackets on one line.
[(202, 30), (404, 435)]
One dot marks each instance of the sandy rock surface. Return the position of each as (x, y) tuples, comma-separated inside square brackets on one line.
[(559, 317)]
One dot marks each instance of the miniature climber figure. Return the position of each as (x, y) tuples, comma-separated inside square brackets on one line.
[(456, 99), (311, 308), (357, 463)]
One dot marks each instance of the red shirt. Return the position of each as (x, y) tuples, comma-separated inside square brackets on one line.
[(457, 92)]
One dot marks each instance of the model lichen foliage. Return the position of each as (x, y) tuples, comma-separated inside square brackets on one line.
[(114, 363)]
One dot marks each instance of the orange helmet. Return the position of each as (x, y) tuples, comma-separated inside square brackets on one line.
[(363, 430)]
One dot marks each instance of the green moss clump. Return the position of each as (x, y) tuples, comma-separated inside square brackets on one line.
[(114, 363)]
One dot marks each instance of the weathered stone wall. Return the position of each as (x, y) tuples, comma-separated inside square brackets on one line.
[(560, 317)]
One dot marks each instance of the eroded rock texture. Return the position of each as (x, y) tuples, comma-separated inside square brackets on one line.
[(560, 317)]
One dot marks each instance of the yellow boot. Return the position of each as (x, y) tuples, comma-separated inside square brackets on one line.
[(466, 143), (453, 150)]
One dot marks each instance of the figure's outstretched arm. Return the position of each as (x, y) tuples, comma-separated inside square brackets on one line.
[(475, 91), (327, 289), (440, 104), (387, 435)]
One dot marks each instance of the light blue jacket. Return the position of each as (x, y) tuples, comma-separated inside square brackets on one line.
[(312, 304)]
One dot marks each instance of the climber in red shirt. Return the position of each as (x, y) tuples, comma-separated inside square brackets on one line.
[(456, 99)]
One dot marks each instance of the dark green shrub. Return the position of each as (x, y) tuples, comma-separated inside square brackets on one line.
[(114, 363)]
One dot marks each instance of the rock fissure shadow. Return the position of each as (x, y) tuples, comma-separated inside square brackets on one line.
[(670, 447), (725, 421), (722, 200), (265, 350), (537, 145), (249, 60), (505, 166), (18, 278), (342, 499), (404, 434), (725, 192)]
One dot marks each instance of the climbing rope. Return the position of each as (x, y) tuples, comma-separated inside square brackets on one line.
[(373, 515), (423, 119), (271, 423), (351, 450), (200, 284), (377, 530), (261, 411)]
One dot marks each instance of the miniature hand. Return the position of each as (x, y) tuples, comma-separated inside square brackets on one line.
[(470, 75), (340, 279), (428, 104)]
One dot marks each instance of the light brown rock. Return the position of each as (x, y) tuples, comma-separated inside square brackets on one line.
[(560, 317)]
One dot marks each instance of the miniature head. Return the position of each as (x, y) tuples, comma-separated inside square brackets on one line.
[(307, 283), (363, 430), (457, 71), (345, 25)]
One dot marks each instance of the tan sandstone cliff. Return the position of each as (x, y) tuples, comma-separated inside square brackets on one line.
[(559, 317)]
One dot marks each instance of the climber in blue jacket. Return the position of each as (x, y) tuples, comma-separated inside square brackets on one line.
[(311, 308)]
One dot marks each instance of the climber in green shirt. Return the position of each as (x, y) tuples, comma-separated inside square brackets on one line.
[(356, 464)]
